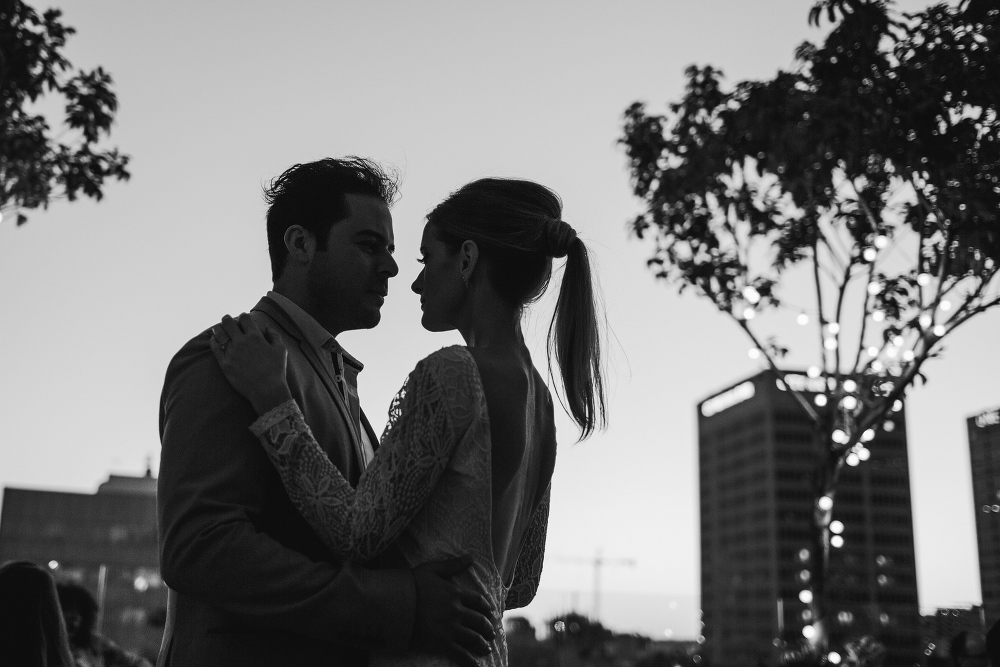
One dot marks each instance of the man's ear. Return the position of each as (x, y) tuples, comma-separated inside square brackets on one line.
[(470, 257), (301, 244)]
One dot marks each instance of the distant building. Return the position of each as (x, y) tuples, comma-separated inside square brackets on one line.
[(939, 630), (984, 450), (106, 540), (757, 453)]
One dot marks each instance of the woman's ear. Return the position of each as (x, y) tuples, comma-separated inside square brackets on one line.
[(469, 258)]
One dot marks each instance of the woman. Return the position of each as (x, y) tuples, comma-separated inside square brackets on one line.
[(32, 632), (465, 462)]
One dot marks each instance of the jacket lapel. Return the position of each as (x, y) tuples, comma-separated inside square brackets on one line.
[(273, 310)]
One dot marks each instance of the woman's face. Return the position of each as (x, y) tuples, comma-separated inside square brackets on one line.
[(439, 284)]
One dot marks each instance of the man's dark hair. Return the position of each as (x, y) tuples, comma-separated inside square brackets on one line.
[(312, 195)]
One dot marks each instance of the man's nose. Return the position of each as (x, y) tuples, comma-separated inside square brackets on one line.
[(391, 267)]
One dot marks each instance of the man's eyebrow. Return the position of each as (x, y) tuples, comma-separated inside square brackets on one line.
[(375, 236)]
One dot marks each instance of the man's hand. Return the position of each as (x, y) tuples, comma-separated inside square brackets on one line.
[(450, 620)]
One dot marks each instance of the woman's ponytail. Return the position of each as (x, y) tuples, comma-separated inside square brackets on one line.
[(574, 340)]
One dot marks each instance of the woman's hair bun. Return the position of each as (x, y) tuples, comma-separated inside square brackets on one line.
[(559, 237)]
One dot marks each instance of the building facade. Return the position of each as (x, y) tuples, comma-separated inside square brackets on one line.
[(984, 455), (106, 541), (757, 453)]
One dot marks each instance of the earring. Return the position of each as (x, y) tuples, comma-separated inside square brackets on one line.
[(465, 279)]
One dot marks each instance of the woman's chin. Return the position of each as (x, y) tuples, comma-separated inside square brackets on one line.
[(433, 326)]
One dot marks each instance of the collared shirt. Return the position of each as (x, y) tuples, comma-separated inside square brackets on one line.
[(342, 366)]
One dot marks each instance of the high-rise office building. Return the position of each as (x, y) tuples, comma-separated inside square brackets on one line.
[(757, 454), (984, 450), (106, 541)]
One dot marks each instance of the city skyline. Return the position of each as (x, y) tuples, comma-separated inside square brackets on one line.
[(102, 294)]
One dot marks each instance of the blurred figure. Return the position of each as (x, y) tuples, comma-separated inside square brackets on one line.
[(32, 632), (993, 645), (89, 648)]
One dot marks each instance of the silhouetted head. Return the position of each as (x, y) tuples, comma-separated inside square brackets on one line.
[(506, 232), (32, 632), (79, 610), (330, 237)]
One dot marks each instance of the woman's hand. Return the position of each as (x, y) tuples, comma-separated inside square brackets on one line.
[(253, 361)]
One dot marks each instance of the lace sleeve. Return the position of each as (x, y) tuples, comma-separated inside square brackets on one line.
[(528, 569), (358, 524)]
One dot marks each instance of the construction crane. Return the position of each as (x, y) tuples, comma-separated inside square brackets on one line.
[(597, 562)]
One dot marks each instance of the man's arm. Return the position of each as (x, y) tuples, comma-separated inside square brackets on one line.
[(213, 486)]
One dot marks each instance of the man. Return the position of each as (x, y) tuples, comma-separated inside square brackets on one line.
[(251, 583)]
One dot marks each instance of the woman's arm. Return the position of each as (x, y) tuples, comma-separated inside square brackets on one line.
[(528, 568), (358, 524)]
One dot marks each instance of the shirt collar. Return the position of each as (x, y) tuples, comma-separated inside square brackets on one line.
[(314, 332)]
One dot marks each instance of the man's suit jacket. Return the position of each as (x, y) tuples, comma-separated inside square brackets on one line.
[(250, 582)]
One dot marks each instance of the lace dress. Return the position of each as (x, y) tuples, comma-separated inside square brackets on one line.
[(428, 490)]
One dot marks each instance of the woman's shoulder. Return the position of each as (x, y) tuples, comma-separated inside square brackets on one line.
[(447, 364)]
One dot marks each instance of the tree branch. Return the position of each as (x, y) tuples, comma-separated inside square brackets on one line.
[(777, 371), (864, 321)]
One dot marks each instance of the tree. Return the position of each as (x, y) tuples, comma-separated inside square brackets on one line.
[(36, 167), (872, 169)]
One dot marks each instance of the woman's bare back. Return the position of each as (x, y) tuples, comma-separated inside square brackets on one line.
[(522, 433)]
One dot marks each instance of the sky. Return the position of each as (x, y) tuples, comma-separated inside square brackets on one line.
[(218, 98)]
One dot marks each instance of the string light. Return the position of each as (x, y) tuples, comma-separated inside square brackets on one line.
[(833, 327), (868, 435), (872, 351), (839, 436), (870, 254), (881, 241), (850, 385), (926, 320), (897, 405), (806, 595), (924, 279), (852, 459), (833, 657), (830, 343), (878, 315), (820, 400), (939, 330), (802, 319), (891, 352), (877, 366), (825, 503), (874, 288), (751, 294), (864, 454), (945, 305), (837, 541), (749, 314), (888, 427), (808, 632), (898, 341), (849, 402), (753, 353), (813, 371), (908, 355), (836, 527)]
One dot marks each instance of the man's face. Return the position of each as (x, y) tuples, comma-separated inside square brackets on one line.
[(349, 280)]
